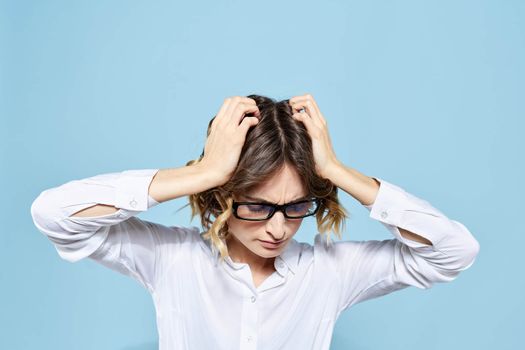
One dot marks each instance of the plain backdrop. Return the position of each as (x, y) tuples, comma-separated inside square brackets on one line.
[(427, 95)]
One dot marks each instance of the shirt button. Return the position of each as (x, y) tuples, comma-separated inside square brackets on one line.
[(133, 203), (249, 338), (384, 214), (253, 299)]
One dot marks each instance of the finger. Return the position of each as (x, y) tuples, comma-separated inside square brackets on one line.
[(241, 110), (235, 100), (247, 123), (223, 111), (299, 105), (248, 100), (308, 109), (310, 106), (225, 104), (242, 100), (307, 97), (303, 97), (306, 120), (298, 97), (308, 100)]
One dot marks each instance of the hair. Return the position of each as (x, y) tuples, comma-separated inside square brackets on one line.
[(275, 141)]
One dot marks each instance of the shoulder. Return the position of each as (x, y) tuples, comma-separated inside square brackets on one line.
[(334, 253), (155, 233), (330, 248)]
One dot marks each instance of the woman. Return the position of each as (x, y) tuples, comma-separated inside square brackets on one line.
[(244, 282)]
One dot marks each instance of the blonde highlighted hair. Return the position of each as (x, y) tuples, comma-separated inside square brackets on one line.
[(276, 140)]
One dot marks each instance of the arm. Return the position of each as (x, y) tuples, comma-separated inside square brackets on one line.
[(364, 189), (167, 184), (117, 239), (94, 217), (428, 246), (372, 268)]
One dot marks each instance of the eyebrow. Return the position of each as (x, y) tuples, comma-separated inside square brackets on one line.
[(267, 201)]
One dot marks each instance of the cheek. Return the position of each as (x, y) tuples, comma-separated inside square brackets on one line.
[(296, 224), (294, 227), (242, 227)]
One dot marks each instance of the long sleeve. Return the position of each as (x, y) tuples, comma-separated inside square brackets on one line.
[(119, 241), (372, 268)]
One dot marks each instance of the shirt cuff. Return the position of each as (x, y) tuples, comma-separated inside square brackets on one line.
[(391, 206), (132, 190)]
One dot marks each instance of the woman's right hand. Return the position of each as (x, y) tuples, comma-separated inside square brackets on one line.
[(227, 135)]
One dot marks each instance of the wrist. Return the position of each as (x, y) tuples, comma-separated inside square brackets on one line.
[(332, 171), (212, 178)]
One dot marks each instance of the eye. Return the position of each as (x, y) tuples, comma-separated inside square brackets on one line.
[(257, 208), (301, 208)]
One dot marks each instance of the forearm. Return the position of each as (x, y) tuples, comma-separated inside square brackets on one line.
[(172, 183), (363, 188), (167, 184)]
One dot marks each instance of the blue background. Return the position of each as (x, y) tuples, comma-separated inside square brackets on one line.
[(424, 94)]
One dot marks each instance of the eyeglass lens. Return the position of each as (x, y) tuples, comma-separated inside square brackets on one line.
[(262, 211)]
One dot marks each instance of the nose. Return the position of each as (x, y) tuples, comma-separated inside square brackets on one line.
[(276, 226)]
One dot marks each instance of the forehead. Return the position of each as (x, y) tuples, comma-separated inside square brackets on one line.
[(285, 186)]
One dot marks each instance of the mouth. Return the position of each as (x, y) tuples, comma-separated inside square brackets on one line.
[(270, 245)]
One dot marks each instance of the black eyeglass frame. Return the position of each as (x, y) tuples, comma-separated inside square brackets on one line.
[(277, 207)]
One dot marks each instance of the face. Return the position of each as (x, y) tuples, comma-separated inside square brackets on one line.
[(286, 186)]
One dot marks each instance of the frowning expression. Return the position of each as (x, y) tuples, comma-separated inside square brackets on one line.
[(284, 187)]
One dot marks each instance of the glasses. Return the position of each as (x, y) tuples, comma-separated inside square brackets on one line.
[(263, 211)]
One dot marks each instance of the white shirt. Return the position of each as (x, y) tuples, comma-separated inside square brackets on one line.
[(204, 304)]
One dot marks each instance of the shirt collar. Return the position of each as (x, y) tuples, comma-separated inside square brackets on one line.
[(289, 258)]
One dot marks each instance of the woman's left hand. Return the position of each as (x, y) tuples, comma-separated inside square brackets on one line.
[(315, 123)]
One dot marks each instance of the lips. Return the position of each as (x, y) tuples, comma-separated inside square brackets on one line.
[(270, 244)]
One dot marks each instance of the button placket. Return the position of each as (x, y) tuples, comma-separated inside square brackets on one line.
[(249, 320)]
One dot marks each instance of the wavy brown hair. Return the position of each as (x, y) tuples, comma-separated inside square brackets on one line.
[(276, 140)]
